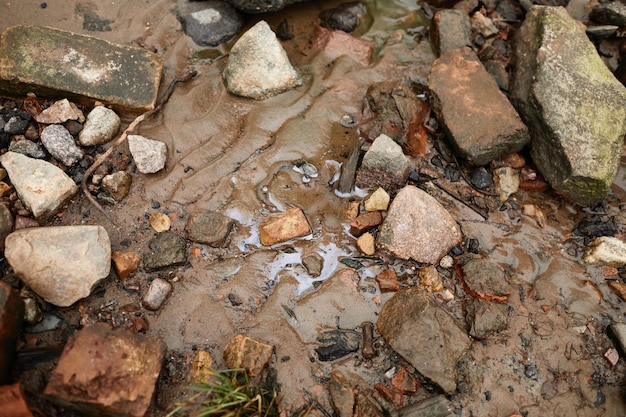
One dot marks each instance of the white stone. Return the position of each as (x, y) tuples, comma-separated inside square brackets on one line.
[(606, 250), (258, 66), (60, 143), (149, 155), (42, 187), (101, 127), (61, 264)]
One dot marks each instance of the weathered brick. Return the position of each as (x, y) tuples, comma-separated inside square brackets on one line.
[(56, 63)]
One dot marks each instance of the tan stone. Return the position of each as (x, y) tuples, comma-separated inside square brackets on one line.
[(366, 244), (377, 200), (160, 222), (201, 367), (388, 281), (430, 279), (245, 352), (125, 263), (289, 225), (5, 189), (619, 288)]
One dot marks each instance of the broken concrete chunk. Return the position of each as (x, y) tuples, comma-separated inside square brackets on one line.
[(245, 352), (574, 106), (107, 372), (476, 116), (280, 228), (57, 63)]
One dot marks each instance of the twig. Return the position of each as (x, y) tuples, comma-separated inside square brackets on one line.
[(123, 137)]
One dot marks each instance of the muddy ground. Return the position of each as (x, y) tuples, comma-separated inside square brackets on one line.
[(236, 156)]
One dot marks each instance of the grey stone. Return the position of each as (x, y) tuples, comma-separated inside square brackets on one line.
[(611, 13), (573, 105), (261, 6), (28, 148), (117, 184), (101, 127), (61, 145), (258, 66), (6, 224), (167, 249), (211, 228), (60, 112), (437, 406), (486, 318), (61, 264), (485, 279), (314, 264), (335, 344), (211, 22), (450, 30), (424, 334), (149, 155), (418, 227), (476, 116), (42, 187), (48, 323), (15, 126), (158, 293), (384, 165)]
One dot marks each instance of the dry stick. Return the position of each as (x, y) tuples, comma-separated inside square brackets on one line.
[(123, 137)]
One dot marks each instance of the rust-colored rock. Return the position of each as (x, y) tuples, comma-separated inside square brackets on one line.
[(390, 394), (619, 288), (365, 222), (13, 402), (245, 352), (106, 371), (336, 43), (404, 381), (388, 281), (341, 394), (125, 263), (11, 315), (289, 225)]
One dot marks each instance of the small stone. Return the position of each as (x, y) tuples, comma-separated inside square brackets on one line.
[(167, 249), (606, 250), (22, 222), (140, 325), (365, 222), (11, 316), (336, 43), (384, 165), (486, 318), (610, 13), (483, 25), (430, 279), (28, 148), (60, 112), (5, 189), (612, 356), (245, 352), (13, 400), (160, 222), (336, 344), (32, 311), (101, 127), (342, 394), (367, 406), (450, 30), (378, 200), (481, 178), (508, 182), (158, 293), (404, 381), (125, 263), (366, 244), (446, 262), (46, 260), (60, 144), (201, 367), (344, 17), (117, 184), (485, 280), (280, 228), (106, 371), (314, 263), (211, 228), (6, 224), (210, 23), (149, 155), (258, 66), (15, 126), (437, 406), (388, 281), (48, 323), (42, 187)]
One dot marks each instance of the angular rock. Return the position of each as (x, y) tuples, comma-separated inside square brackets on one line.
[(101, 127), (261, 6), (485, 280), (384, 165), (258, 66), (388, 281), (450, 30), (107, 372), (42, 187), (477, 117), (366, 244), (611, 13), (211, 228), (6, 224), (209, 23), (337, 43), (314, 264), (411, 316), (437, 406), (61, 145), (245, 352), (158, 293), (344, 17), (508, 182), (418, 227), (11, 315), (366, 406), (573, 105), (430, 279), (62, 263), (167, 249), (606, 250), (13, 401), (342, 394), (336, 344), (117, 184), (125, 263), (60, 112), (279, 228), (56, 63), (483, 25), (378, 200), (149, 155), (365, 222), (201, 367), (485, 318), (15, 125), (28, 148)]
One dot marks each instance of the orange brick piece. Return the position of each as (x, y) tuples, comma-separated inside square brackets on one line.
[(365, 222), (289, 225)]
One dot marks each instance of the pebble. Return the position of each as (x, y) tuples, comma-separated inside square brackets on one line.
[(167, 249), (149, 155), (210, 23), (160, 222), (125, 263), (446, 262), (61, 145), (336, 344), (508, 182), (158, 293), (384, 165), (16, 126), (258, 67), (211, 228), (42, 187), (450, 30), (50, 322), (366, 244), (365, 222), (28, 148), (245, 352), (344, 17), (378, 200), (430, 279), (32, 312), (45, 259), (117, 184), (201, 367), (291, 224), (388, 281), (101, 127), (314, 264), (481, 178), (60, 112)]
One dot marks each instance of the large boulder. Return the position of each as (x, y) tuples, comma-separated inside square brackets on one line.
[(572, 104)]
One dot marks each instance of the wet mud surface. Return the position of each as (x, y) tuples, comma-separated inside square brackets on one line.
[(236, 156)]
